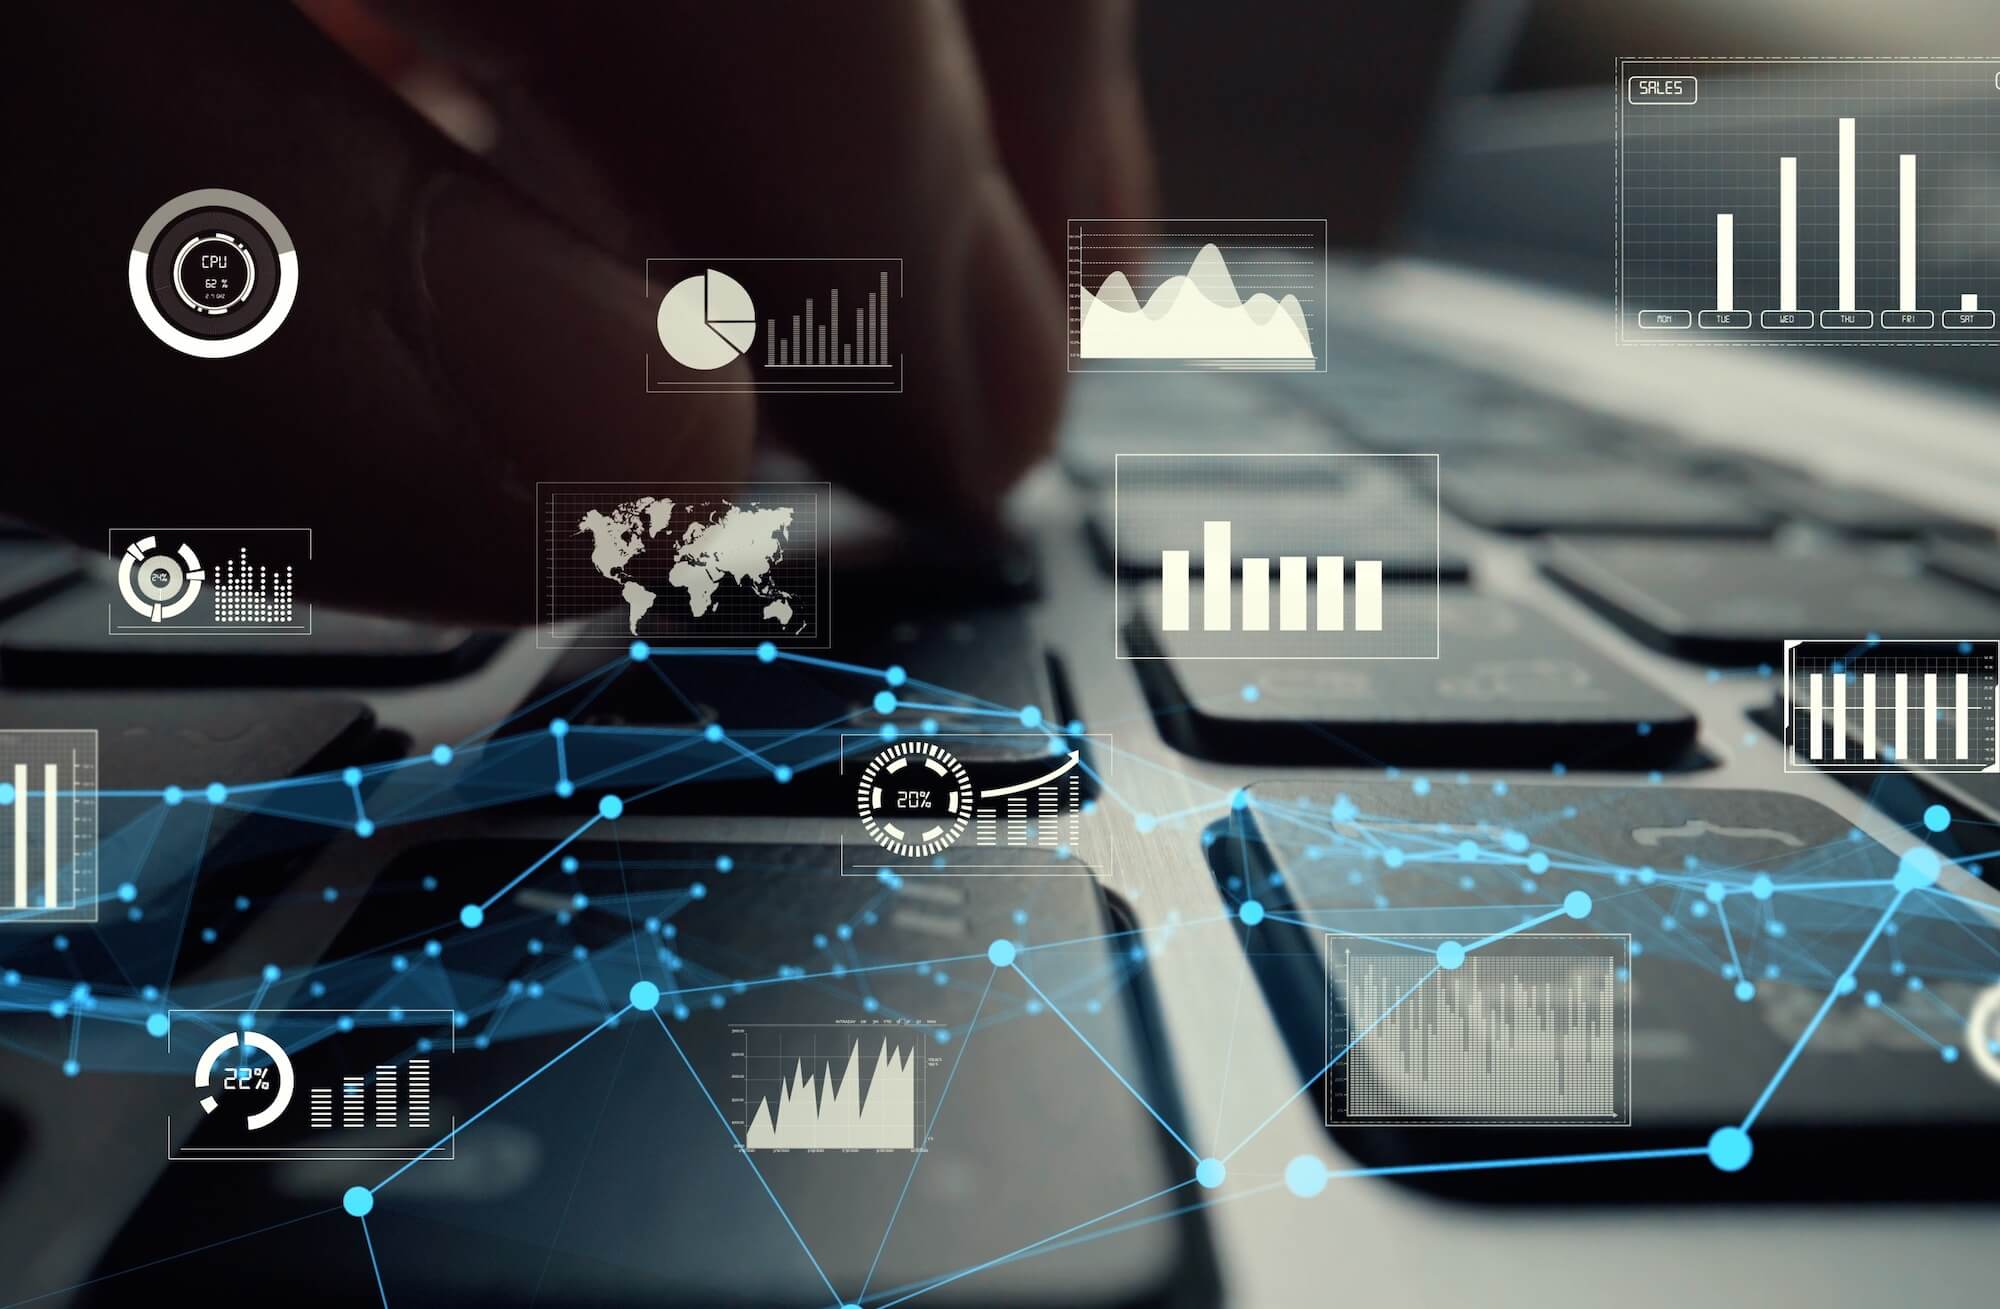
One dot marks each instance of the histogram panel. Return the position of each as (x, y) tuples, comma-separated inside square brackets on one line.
[(1891, 706), (1808, 201), (1531, 1029)]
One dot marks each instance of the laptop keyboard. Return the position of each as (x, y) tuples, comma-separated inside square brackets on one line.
[(1704, 556)]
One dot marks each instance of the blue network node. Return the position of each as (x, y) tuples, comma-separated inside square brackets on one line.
[(645, 996), (472, 915), (1251, 912), (1305, 1176), (1729, 1149), (1001, 953), (359, 1201), (610, 807), (1211, 1172), (1450, 955)]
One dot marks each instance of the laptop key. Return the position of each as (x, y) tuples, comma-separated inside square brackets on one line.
[(1860, 512), (639, 725), (1586, 494), (1702, 1056), (65, 642), (1512, 689), (1737, 604)]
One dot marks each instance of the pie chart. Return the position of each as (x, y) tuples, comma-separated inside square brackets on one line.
[(707, 321)]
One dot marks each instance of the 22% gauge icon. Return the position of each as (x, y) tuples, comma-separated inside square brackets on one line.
[(243, 1079)]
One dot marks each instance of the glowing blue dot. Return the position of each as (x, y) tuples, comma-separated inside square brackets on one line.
[(894, 675), (712, 733), (1715, 891), (1421, 786), (1210, 1172), (1761, 887), (1937, 818), (645, 995), (127, 892), (1239, 799), (1729, 1149), (1251, 693), (271, 973), (559, 727), (569, 864), (350, 776), (1577, 904), (1305, 1176), (1001, 953), (1917, 869), (610, 806), (565, 788), (1450, 955), (364, 827), (885, 702), (1393, 857), (781, 774), (1251, 912), (359, 1201), (1949, 1054), (698, 891), (217, 793), (1538, 863), (472, 915), (156, 1025), (7, 793), (1746, 992), (172, 795), (640, 652), (441, 755), (1144, 822), (1030, 716), (71, 1068), (723, 863)]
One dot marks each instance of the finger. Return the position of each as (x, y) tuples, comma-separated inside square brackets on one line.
[(450, 345), (862, 132), (1067, 110)]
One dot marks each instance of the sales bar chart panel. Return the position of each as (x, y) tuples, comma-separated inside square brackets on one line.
[(48, 827), (1197, 295), (799, 326), (1807, 201), (1868, 706), (1279, 577), (1532, 1029)]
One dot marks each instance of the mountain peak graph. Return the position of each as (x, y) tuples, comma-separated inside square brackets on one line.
[(1210, 296), (805, 1089)]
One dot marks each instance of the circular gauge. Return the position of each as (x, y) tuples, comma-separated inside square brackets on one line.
[(915, 798), (1982, 1032), (213, 273), (157, 583), (256, 1082)]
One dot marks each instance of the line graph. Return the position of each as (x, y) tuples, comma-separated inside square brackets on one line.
[(1530, 1028)]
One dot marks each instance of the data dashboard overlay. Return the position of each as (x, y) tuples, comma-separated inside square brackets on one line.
[(1817, 202)]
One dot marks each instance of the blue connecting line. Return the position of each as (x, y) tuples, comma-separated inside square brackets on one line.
[(554, 850), (724, 1119), (1143, 1103), (372, 1263)]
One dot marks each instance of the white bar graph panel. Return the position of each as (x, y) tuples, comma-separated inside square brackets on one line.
[(48, 826), (1295, 556), (1916, 706)]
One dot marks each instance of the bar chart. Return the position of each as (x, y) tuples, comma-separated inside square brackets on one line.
[(1807, 201), (314, 1084), (827, 325), (1887, 706), (1312, 585), (48, 812)]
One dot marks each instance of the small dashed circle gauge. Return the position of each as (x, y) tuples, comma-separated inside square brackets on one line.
[(915, 799), (1982, 1032)]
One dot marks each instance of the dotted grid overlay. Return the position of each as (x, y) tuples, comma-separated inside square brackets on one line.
[(1530, 1029)]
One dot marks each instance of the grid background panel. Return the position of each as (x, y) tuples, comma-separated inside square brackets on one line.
[(1531, 1029), (1679, 166), (1854, 660), (575, 599)]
